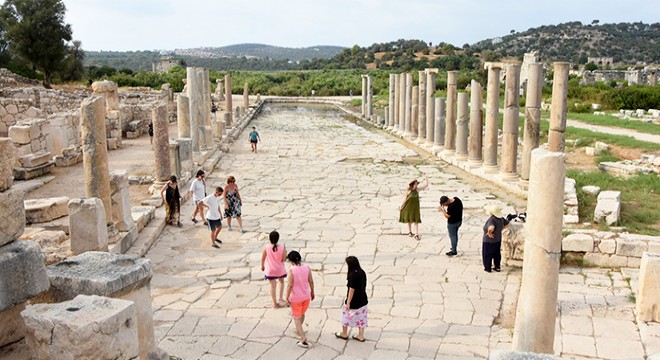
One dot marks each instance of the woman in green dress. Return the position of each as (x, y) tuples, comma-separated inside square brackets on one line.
[(409, 210)]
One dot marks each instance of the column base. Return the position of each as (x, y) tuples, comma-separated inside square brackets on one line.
[(449, 152), (508, 177), (524, 184), (461, 157), (437, 149), (475, 163), (490, 169), (420, 141)]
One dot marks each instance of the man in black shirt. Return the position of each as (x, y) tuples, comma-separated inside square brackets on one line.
[(454, 215)]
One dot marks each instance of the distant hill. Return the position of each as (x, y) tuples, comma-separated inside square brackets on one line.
[(626, 43), (262, 51)]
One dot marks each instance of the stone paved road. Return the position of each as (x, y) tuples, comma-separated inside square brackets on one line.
[(332, 189)]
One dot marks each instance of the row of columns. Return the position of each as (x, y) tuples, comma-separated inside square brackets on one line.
[(457, 130)]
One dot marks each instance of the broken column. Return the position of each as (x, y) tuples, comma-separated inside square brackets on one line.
[(492, 118), (509, 170), (391, 103), (648, 298), (115, 276), (183, 115), (121, 210), (175, 161), (246, 96), (219, 90), (228, 102), (421, 109), (450, 118), (110, 92), (85, 328), (95, 152), (537, 302), (439, 126), (161, 143), (87, 228), (532, 116), (556, 134), (370, 97), (462, 127), (7, 161), (475, 150), (430, 105)]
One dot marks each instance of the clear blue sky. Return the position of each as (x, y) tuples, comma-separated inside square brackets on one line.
[(176, 24)]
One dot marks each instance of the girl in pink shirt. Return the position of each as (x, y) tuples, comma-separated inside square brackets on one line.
[(299, 293), (272, 264)]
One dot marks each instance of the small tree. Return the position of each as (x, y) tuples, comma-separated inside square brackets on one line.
[(590, 66), (36, 32)]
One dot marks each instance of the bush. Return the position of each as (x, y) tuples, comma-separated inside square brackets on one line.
[(633, 97)]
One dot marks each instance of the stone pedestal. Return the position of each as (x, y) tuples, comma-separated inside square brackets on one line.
[(648, 297), (509, 170), (439, 127), (116, 276), (121, 200), (228, 101), (7, 161), (537, 303), (161, 143), (556, 135), (85, 328), (421, 109), (532, 116), (95, 152), (24, 277), (475, 150), (183, 115), (450, 122), (492, 118), (87, 227), (391, 103), (462, 127), (430, 105), (12, 215), (226, 119)]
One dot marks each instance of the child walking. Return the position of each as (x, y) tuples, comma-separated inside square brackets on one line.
[(272, 264), (299, 293), (254, 138), (213, 215)]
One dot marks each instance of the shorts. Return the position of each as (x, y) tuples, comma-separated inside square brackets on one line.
[(214, 224), (253, 141), (274, 277), (299, 308), (197, 202)]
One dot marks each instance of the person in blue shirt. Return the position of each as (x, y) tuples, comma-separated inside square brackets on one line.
[(254, 138)]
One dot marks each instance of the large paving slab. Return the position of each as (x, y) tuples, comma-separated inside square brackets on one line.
[(332, 189)]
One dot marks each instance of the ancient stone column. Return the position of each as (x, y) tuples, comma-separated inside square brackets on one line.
[(509, 169), (196, 105), (492, 118), (161, 143), (439, 136), (647, 304), (462, 127), (228, 102), (219, 89), (7, 161), (430, 105), (532, 116), (556, 135), (414, 111), (537, 302), (402, 104), (246, 96), (364, 95), (421, 109), (450, 122), (208, 134), (476, 125), (407, 130), (183, 115), (95, 152), (392, 101), (370, 97), (386, 119)]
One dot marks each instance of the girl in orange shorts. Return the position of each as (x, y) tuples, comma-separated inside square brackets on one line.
[(299, 293)]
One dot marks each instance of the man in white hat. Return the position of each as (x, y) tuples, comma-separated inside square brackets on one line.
[(492, 239)]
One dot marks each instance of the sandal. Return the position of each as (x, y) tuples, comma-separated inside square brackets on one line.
[(417, 237), (338, 335), (410, 234), (358, 339), (303, 344)]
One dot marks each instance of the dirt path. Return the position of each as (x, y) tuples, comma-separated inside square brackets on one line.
[(615, 131)]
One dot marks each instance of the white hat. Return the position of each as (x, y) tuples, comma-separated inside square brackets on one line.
[(494, 210)]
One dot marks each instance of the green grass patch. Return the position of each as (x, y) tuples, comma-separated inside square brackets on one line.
[(606, 156), (355, 102), (611, 121), (640, 199)]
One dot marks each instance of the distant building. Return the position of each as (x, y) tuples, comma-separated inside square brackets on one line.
[(165, 64), (601, 61)]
